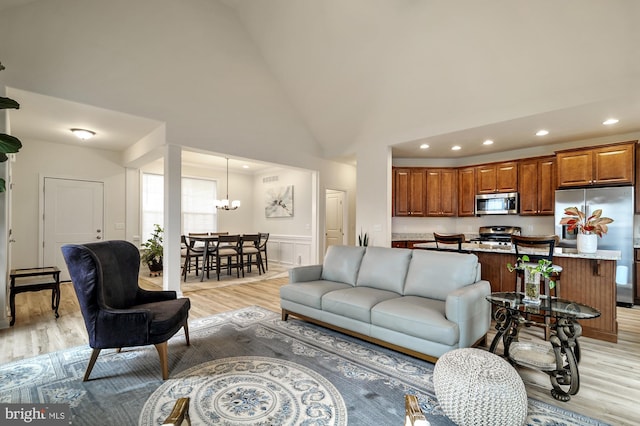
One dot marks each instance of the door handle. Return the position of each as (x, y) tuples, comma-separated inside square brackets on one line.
[(98, 237)]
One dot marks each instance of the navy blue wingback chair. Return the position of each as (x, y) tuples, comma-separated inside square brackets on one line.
[(117, 312)]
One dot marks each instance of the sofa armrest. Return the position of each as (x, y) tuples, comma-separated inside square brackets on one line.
[(469, 308), (305, 273)]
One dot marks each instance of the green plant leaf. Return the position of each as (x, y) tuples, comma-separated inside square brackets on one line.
[(2, 185), (9, 144), (8, 103), (3, 157)]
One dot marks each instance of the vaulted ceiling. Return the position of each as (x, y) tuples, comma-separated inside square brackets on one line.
[(375, 72)]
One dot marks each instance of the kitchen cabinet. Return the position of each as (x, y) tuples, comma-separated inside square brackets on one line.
[(596, 166), (467, 191), (409, 197), (497, 177), (537, 184), (636, 265), (637, 186), (441, 192)]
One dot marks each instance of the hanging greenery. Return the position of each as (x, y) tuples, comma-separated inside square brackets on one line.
[(8, 144)]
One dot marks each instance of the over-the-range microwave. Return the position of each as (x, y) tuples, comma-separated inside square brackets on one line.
[(504, 203)]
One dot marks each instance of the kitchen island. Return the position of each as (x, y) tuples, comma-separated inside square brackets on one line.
[(586, 278)]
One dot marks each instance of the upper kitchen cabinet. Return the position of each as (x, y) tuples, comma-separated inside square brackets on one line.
[(467, 191), (596, 166), (441, 192), (409, 186), (537, 186), (497, 177)]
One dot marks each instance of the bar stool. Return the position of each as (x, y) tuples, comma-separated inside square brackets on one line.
[(538, 248), (449, 240)]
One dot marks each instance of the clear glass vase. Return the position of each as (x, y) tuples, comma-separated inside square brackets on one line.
[(531, 287)]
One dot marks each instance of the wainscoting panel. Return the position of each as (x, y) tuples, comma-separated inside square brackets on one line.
[(289, 250)]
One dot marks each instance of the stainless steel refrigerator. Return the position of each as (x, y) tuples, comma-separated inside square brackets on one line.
[(616, 203)]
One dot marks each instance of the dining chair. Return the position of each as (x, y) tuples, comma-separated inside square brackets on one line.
[(264, 237), (191, 256), (251, 252), (228, 247), (449, 241)]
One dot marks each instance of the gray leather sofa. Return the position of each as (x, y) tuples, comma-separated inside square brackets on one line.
[(420, 302)]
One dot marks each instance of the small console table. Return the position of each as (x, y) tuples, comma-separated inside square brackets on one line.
[(559, 357), (34, 279)]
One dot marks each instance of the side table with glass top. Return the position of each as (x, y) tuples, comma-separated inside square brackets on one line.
[(34, 279), (559, 357)]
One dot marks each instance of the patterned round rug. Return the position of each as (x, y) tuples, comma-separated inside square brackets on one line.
[(249, 391)]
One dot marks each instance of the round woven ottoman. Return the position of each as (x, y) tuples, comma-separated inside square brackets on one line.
[(476, 387)]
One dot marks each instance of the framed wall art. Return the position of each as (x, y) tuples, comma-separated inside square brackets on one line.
[(279, 202)]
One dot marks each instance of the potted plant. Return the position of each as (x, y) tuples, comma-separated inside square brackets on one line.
[(8, 144), (589, 228), (533, 273), (363, 239), (152, 254)]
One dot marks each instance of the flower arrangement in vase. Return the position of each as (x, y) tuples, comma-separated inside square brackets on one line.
[(533, 272), (589, 227)]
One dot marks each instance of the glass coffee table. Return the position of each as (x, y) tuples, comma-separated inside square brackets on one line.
[(559, 357)]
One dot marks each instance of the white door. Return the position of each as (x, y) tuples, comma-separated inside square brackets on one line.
[(334, 218), (73, 213)]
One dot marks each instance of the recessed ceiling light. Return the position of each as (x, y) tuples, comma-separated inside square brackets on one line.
[(610, 121), (542, 132), (244, 166), (424, 146), (83, 133), (456, 148), (487, 142)]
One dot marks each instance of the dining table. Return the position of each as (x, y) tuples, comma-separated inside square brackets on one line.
[(206, 240)]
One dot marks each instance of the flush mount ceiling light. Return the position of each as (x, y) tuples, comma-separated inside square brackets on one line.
[(83, 134), (487, 142), (424, 146), (610, 121), (224, 204), (456, 148), (542, 132)]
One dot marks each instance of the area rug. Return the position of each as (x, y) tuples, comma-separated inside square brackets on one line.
[(193, 282), (244, 367)]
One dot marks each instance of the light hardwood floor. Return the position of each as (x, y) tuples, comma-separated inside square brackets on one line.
[(610, 373)]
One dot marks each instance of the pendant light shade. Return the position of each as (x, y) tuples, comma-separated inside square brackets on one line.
[(224, 204)]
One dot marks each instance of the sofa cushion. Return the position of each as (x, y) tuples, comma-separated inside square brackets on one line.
[(384, 268), (416, 316), (355, 303), (309, 293), (341, 264), (435, 274)]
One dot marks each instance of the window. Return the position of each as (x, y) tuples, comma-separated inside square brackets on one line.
[(198, 211)]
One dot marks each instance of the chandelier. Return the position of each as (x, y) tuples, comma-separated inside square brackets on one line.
[(224, 204)]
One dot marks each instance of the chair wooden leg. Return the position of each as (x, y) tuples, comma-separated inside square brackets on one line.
[(163, 353), (92, 361), (186, 331)]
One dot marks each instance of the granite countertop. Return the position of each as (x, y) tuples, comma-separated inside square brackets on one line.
[(428, 236), (558, 252)]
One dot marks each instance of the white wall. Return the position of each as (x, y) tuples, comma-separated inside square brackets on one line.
[(300, 222), (39, 159)]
